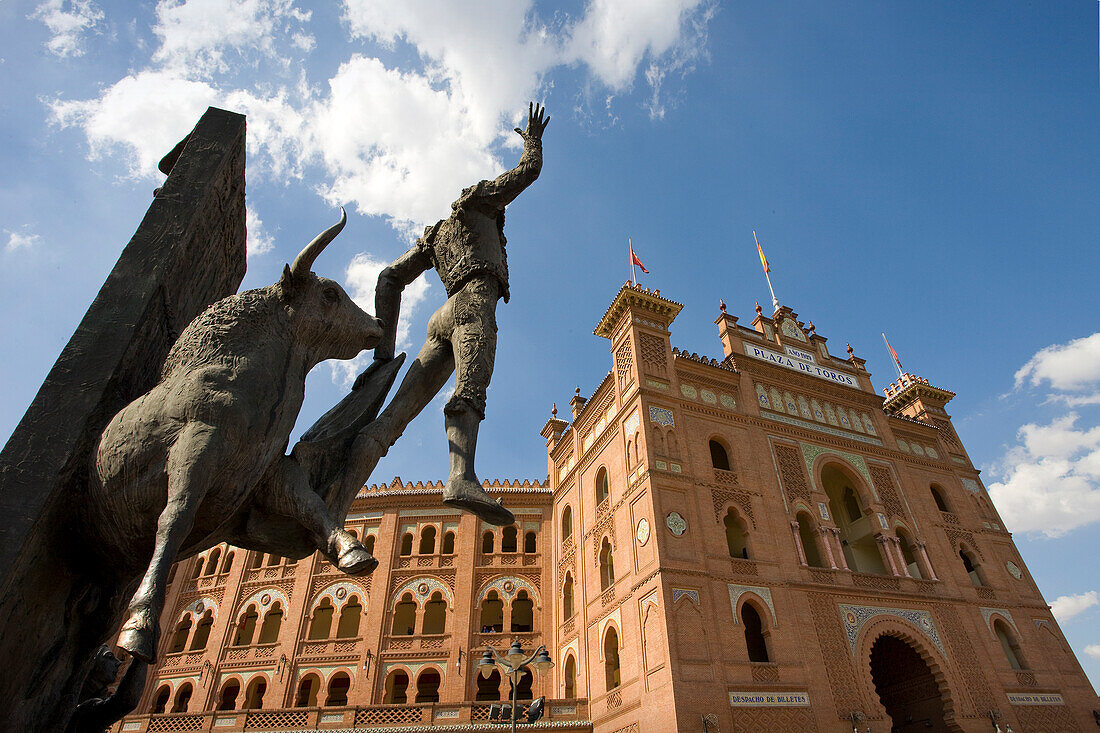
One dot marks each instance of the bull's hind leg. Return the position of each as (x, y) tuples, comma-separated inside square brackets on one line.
[(290, 494), (193, 459)]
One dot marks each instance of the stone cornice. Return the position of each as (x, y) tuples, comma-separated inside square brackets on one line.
[(635, 296)]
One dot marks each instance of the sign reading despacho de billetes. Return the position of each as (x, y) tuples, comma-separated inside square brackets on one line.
[(770, 699), (1015, 698), (793, 360)]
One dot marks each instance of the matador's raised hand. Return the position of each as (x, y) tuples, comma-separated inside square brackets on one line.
[(535, 123)]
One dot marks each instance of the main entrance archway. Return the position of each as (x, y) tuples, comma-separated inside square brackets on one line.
[(906, 687)]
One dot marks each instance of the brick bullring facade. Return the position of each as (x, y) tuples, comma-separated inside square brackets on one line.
[(757, 542)]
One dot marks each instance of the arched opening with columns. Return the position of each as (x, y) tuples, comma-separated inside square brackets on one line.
[(404, 616), (755, 639), (435, 615), (306, 696), (849, 506), (338, 688), (567, 597), (160, 700), (272, 624), (227, 700), (607, 566), (427, 541), (566, 523), (972, 567), (492, 613), (254, 696), (348, 626), (179, 636), (603, 488), (1009, 645), (907, 687), (427, 685), (321, 624), (396, 690), (246, 627), (612, 675), (202, 631), (183, 698), (523, 613), (807, 536), (909, 554), (488, 686)]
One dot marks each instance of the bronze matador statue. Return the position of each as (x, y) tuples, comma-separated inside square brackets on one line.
[(468, 251)]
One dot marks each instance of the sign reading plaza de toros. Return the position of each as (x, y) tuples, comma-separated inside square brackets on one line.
[(801, 361)]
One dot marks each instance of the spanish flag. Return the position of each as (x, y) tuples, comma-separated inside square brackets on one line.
[(763, 259), (634, 259)]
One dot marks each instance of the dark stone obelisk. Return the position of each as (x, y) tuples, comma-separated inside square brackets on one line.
[(58, 602)]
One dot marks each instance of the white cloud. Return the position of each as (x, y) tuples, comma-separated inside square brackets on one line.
[(360, 279), (205, 35), (1066, 607), (1069, 367), (1093, 650), (20, 240), (1050, 480), (259, 241), (68, 26)]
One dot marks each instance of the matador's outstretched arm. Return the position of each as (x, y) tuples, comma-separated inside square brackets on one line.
[(510, 184)]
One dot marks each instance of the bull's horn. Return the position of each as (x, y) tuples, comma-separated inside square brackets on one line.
[(304, 261)]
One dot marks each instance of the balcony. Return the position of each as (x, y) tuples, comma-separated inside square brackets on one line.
[(205, 582), (419, 642), (183, 660), (327, 647), (558, 712), (509, 559), (253, 653), (271, 572)]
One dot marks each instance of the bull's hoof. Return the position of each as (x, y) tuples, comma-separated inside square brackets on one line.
[(357, 561), (470, 497), (138, 641)]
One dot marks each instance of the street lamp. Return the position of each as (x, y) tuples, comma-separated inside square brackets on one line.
[(513, 662)]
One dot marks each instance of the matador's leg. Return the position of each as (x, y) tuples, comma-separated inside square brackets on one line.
[(474, 341)]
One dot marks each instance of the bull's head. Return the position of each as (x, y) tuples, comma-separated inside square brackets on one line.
[(326, 319)]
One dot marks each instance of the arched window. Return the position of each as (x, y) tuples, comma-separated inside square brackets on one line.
[(273, 621), (227, 564), (629, 453), (369, 543), (492, 613), (435, 615), (488, 687), (718, 456), (607, 566), (909, 556), (348, 627), (611, 658), (523, 689), (449, 543), (754, 634), (321, 624), (198, 567), (566, 523), (736, 538), (183, 698), (307, 692), (806, 532), (212, 561), (228, 700), (397, 688), (179, 637), (509, 540), (202, 631), (487, 543), (160, 701), (404, 616), (254, 695), (1009, 645), (529, 545), (523, 613), (567, 597), (247, 627), (937, 496), (427, 686), (427, 541), (338, 688), (257, 559), (570, 677), (602, 488), (407, 544), (273, 560), (971, 569), (851, 505)]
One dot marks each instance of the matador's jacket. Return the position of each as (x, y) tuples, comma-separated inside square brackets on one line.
[(471, 241)]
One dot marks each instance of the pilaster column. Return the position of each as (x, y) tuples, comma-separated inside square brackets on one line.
[(927, 563), (798, 543), (828, 546), (840, 548), (882, 541), (901, 557)]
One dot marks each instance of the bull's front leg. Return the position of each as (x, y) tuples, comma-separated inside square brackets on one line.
[(192, 460), (291, 495)]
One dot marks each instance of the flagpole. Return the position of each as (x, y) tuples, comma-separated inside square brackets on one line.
[(775, 300), (633, 272), (892, 357)]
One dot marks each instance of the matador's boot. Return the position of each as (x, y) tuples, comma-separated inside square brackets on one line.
[(463, 490)]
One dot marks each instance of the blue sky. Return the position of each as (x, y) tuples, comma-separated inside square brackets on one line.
[(926, 169)]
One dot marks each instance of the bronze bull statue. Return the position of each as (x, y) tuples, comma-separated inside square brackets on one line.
[(200, 458)]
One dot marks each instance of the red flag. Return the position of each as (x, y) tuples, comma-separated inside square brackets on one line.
[(635, 261), (893, 354)]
